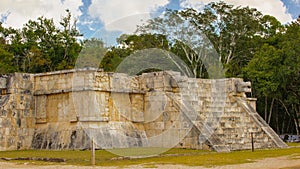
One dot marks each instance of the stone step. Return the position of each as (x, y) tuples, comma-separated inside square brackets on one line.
[(260, 122), (221, 148), (207, 132)]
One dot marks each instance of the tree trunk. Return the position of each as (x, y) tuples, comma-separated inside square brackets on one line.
[(271, 110), (297, 126), (195, 72), (283, 123), (287, 111), (266, 108), (289, 124), (296, 120), (277, 121)]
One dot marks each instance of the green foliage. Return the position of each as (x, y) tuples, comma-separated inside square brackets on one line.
[(236, 32), (6, 58), (185, 40), (275, 73), (113, 58), (129, 44), (92, 53), (40, 46), (263, 70)]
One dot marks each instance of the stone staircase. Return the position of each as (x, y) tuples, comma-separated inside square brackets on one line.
[(207, 125), (207, 132), (260, 122)]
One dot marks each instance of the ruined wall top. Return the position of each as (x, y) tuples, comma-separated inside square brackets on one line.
[(95, 79), (98, 80)]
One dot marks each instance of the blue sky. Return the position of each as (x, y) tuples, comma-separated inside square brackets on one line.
[(107, 19)]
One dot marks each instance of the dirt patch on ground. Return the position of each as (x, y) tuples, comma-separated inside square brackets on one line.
[(286, 162)]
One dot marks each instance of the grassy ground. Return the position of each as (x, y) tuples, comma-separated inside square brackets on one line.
[(173, 156), (293, 144)]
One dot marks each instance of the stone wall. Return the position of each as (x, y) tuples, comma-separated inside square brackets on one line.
[(65, 109), (17, 119)]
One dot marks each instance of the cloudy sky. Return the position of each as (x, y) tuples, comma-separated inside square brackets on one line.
[(110, 18)]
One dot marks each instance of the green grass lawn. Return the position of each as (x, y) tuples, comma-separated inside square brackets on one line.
[(173, 156), (293, 144)]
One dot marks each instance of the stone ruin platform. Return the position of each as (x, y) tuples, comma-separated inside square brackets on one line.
[(65, 109)]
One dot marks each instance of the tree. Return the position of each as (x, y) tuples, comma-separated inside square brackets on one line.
[(40, 46), (264, 72), (186, 41), (291, 67), (6, 58), (275, 72), (92, 53), (68, 45), (234, 32), (128, 44)]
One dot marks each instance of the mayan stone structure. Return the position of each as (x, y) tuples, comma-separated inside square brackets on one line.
[(65, 109)]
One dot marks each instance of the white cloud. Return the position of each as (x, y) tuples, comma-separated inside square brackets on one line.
[(296, 1), (275, 8), (118, 15), (20, 11)]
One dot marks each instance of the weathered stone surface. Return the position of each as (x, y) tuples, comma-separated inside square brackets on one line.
[(65, 109), (3, 82), (16, 105)]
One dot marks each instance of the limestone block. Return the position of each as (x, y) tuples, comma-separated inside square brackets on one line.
[(157, 125), (150, 132), (149, 85), (102, 81), (41, 107), (134, 83), (169, 125), (89, 78), (122, 104), (160, 125), (177, 125), (158, 84), (137, 102), (3, 83), (155, 104), (188, 142), (120, 82), (78, 81), (7, 131), (169, 82), (138, 116)]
